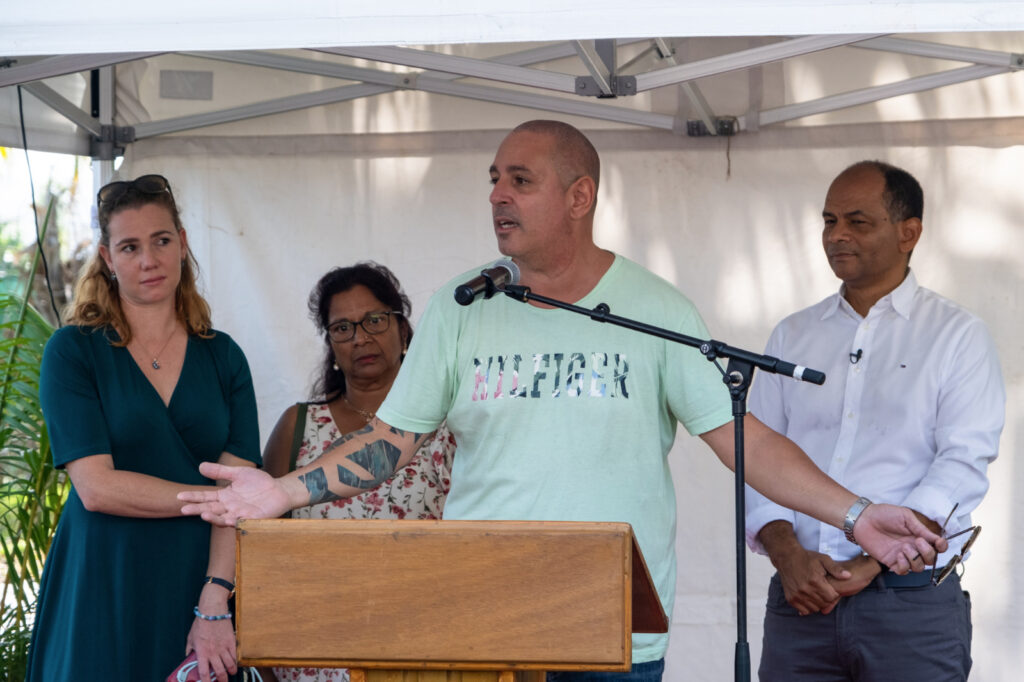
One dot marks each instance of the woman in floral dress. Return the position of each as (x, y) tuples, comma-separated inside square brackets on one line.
[(363, 316)]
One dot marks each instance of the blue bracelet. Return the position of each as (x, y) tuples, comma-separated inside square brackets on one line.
[(202, 615)]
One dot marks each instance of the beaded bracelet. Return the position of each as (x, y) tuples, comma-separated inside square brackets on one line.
[(200, 614)]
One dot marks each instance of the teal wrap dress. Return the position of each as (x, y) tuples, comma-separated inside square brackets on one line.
[(117, 593)]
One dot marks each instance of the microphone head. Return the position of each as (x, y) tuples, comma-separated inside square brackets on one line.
[(501, 273), (509, 265)]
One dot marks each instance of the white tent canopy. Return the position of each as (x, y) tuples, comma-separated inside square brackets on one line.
[(303, 136), (358, 44), (70, 27)]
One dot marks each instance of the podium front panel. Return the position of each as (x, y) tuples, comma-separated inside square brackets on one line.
[(435, 594)]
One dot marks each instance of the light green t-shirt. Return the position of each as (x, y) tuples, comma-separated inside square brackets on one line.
[(558, 417)]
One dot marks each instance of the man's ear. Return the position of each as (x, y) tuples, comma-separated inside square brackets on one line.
[(582, 195), (908, 232)]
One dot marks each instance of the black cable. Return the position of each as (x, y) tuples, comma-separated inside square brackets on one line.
[(35, 212)]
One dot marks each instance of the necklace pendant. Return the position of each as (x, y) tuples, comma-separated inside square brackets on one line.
[(368, 416), (155, 364)]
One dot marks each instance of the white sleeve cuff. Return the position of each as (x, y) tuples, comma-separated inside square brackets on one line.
[(761, 516), (935, 505)]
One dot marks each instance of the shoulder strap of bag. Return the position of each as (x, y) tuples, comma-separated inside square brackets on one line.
[(300, 429)]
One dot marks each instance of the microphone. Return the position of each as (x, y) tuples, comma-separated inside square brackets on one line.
[(855, 357), (798, 372), (489, 281)]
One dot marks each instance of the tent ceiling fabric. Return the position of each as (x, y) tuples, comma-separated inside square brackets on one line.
[(74, 27), (561, 77)]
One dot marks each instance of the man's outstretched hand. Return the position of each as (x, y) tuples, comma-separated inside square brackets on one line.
[(897, 538), (252, 494)]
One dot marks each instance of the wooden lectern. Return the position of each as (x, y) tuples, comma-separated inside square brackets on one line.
[(442, 601)]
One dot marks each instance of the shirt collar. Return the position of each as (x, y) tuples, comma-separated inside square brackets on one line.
[(899, 299), (903, 295)]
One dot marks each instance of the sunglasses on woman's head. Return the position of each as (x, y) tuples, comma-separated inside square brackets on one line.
[(112, 192)]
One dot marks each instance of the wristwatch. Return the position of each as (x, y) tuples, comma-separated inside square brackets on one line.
[(852, 514), (226, 584)]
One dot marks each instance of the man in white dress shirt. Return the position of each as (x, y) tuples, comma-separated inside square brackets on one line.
[(910, 415)]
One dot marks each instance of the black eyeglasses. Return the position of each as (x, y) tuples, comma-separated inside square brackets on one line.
[(939, 575), (372, 323), (113, 192)]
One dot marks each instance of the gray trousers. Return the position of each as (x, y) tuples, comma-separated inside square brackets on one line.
[(878, 635)]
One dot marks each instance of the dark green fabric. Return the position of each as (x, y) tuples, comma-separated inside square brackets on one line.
[(117, 593)]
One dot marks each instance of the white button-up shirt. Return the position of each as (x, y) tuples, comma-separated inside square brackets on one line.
[(910, 413)]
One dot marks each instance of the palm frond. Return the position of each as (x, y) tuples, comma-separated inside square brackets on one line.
[(32, 492)]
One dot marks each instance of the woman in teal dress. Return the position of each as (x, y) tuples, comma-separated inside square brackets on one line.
[(137, 391)]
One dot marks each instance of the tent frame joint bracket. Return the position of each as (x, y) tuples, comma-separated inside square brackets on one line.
[(622, 86), (725, 126), (111, 141)]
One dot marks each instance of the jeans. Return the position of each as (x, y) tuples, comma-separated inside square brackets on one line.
[(641, 672)]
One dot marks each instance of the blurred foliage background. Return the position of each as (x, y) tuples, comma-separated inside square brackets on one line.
[(32, 492)]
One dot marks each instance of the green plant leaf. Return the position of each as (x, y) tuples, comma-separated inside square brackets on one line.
[(32, 492)]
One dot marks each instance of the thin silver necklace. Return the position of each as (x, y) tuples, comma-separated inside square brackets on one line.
[(368, 416), (155, 362)]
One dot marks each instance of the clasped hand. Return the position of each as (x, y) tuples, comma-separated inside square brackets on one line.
[(814, 582), (894, 536)]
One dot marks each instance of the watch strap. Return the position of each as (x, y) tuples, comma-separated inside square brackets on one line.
[(226, 584)]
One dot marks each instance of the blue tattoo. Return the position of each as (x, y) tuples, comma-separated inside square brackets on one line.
[(380, 458), (316, 483)]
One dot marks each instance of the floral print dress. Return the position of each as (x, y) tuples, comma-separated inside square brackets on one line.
[(417, 491)]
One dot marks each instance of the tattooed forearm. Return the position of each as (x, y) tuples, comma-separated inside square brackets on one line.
[(348, 436), (379, 458), (369, 428), (400, 432), (316, 483)]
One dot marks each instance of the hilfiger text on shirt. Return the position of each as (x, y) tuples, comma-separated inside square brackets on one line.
[(551, 375)]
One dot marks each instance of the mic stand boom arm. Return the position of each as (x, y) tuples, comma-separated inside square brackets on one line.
[(737, 376), (711, 349)]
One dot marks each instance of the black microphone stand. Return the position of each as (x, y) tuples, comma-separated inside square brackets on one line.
[(737, 376)]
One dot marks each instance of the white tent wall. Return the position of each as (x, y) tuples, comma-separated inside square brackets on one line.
[(737, 229)]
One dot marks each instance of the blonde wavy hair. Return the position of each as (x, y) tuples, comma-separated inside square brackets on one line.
[(96, 301)]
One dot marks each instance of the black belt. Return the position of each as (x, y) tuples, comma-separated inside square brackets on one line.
[(889, 580)]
